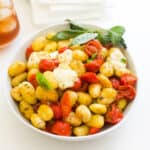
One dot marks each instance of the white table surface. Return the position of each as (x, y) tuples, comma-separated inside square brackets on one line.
[(134, 134)]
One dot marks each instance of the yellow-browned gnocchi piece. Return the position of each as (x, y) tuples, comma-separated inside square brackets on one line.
[(51, 46), (120, 71), (39, 43), (45, 112), (48, 95), (73, 119), (81, 130), (26, 109), (77, 47), (16, 68), (104, 52), (107, 69), (51, 79), (84, 98), (98, 108), (122, 104), (73, 97), (28, 92), (84, 113), (105, 82), (96, 121), (37, 121), (78, 67), (63, 43), (18, 79), (16, 94), (80, 55), (50, 35), (108, 95), (95, 90)]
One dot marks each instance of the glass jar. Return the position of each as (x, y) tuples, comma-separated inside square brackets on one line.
[(9, 24)]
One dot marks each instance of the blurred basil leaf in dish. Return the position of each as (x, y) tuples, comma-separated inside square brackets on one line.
[(42, 81), (83, 38), (66, 34)]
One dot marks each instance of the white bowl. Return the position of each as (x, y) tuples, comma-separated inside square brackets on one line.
[(20, 55)]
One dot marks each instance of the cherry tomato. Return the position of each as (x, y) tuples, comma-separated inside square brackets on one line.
[(128, 79), (114, 115), (126, 91), (61, 128), (84, 86), (48, 64), (48, 127), (89, 77), (115, 82), (94, 65), (77, 85), (57, 111), (93, 46), (65, 104), (29, 50), (94, 130), (33, 81), (62, 49)]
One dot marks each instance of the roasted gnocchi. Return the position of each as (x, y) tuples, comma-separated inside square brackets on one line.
[(72, 83)]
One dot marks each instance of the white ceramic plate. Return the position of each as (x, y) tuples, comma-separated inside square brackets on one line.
[(20, 55)]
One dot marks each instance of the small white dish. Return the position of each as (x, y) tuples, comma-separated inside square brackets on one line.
[(20, 55)]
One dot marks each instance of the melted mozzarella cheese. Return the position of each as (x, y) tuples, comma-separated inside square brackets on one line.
[(115, 58), (65, 76), (65, 57)]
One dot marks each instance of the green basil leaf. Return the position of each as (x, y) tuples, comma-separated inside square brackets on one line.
[(123, 60), (104, 38), (42, 81), (75, 26), (116, 34), (119, 30), (122, 44), (83, 38), (67, 34)]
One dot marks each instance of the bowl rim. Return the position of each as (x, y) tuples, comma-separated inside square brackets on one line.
[(58, 137)]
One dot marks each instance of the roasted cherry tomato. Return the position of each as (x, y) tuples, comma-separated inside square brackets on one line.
[(77, 85), (57, 111), (29, 50), (94, 65), (92, 47), (115, 82), (61, 128), (128, 79), (126, 91), (89, 77), (94, 130), (48, 64), (33, 81), (65, 104), (114, 115), (62, 49), (84, 86)]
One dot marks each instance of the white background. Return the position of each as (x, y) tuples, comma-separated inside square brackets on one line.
[(134, 134)]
